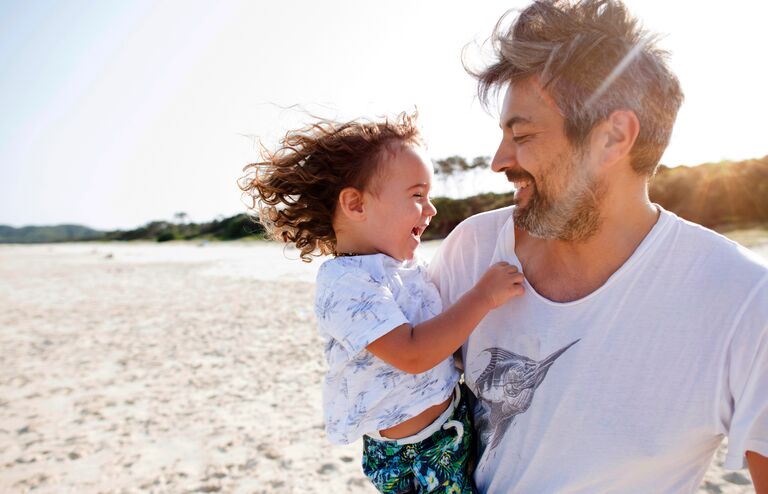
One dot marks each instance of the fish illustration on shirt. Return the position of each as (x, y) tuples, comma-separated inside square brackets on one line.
[(508, 384)]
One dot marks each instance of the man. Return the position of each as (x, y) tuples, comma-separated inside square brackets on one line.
[(642, 339)]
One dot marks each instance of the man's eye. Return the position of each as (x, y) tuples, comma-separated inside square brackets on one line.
[(418, 195), (522, 138)]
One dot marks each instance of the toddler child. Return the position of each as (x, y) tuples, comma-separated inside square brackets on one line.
[(360, 191)]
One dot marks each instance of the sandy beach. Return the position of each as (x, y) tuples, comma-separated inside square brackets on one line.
[(172, 368)]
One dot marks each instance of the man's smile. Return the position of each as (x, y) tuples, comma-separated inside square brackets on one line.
[(523, 194), (523, 183), (518, 177)]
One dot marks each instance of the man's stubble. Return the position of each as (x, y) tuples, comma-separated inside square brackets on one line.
[(569, 214)]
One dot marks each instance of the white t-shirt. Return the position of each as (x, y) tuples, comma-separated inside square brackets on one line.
[(628, 390), (360, 299)]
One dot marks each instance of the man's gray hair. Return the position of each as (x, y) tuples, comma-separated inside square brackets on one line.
[(593, 58)]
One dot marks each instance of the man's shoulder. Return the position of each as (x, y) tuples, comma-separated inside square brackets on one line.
[(469, 248), (492, 220), (713, 269), (479, 229), (719, 251)]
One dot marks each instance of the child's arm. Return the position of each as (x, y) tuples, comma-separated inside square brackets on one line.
[(416, 349)]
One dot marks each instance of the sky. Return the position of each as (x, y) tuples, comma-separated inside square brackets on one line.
[(115, 113)]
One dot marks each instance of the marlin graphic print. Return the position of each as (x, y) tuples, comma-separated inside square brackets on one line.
[(507, 386)]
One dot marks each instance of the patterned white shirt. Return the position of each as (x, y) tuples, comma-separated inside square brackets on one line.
[(358, 300)]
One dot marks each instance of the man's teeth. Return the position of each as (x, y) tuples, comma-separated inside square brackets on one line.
[(522, 184)]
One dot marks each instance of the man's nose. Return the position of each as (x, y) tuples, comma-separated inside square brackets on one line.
[(504, 158)]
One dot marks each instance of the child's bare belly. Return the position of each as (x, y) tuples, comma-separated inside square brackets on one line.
[(417, 423)]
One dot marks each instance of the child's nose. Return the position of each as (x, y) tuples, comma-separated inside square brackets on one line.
[(430, 210)]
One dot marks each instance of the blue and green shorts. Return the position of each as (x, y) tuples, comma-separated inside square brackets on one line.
[(439, 463)]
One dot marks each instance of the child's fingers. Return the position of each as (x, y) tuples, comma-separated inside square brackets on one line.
[(508, 293), (507, 267), (515, 291)]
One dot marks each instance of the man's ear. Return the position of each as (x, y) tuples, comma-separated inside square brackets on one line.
[(616, 136), (352, 204)]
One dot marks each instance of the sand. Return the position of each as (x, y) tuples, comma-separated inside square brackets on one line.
[(171, 368)]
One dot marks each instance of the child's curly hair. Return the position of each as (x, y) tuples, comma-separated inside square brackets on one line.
[(295, 189)]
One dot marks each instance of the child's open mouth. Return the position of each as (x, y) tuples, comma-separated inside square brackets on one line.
[(418, 230)]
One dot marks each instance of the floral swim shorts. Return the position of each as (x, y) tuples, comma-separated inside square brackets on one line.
[(439, 463)]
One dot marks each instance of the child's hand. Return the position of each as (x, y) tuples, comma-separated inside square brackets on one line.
[(500, 283)]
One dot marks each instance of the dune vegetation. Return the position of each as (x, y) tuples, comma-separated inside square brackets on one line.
[(726, 196)]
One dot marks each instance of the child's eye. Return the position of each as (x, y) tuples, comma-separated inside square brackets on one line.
[(418, 195)]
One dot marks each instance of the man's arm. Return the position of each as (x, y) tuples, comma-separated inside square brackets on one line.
[(758, 468)]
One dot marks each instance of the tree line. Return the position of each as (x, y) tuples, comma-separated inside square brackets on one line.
[(717, 195), (722, 195)]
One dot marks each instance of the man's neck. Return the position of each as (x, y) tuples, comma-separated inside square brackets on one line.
[(563, 271)]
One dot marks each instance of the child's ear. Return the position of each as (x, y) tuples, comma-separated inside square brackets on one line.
[(352, 204)]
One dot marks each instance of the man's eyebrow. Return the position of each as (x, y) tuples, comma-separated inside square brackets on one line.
[(515, 120)]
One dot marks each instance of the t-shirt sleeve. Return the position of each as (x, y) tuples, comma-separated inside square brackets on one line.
[(355, 310), (748, 381)]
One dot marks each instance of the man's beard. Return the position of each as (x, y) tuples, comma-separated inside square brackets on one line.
[(571, 215)]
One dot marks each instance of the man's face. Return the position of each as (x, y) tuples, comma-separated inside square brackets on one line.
[(557, 194)]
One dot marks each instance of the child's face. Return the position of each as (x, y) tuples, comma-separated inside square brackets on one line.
[(398, 209)]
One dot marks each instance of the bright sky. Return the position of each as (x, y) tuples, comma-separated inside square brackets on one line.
[(116, 113)]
